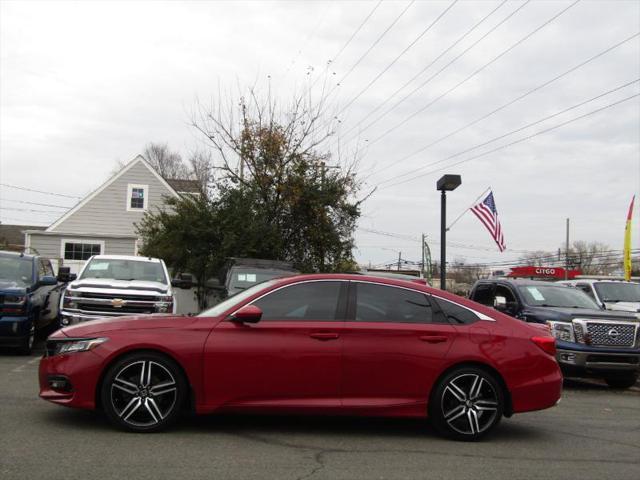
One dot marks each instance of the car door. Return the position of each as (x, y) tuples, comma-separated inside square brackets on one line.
[(290, 358), (395, 344)]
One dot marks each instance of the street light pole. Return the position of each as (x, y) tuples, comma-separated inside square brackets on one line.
[(444, 184)]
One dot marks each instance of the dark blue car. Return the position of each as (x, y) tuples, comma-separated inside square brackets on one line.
[(29, 293)]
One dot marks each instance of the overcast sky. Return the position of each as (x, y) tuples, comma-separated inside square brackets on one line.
[(86, 85)]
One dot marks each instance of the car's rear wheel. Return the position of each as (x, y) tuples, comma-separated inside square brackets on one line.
[(625, 381), (466, 404), (143, 392)]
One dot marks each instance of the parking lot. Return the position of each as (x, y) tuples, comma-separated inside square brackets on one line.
[(593, 433)]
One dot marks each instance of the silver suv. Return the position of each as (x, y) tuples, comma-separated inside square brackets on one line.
[(610, 294)]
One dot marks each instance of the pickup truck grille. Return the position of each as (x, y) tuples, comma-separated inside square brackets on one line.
[(88, 307), (606, 334)]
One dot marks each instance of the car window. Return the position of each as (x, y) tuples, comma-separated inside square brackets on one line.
[(506, 292), (484, 294), (312, 301), (381, 303), (42, 271), (235, 300), (456, 313), (556, 296), (586, 288), (618, 291)]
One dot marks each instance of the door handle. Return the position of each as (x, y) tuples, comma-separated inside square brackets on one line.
[(324, 336), (433, 338)]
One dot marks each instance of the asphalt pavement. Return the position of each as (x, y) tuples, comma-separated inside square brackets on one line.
[(593, 434)]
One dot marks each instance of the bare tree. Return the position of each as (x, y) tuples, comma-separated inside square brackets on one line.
[(167, 163), (201, 168)]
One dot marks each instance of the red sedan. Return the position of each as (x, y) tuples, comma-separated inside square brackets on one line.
[(321, 344)]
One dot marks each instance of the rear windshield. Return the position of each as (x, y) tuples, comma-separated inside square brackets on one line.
[(124, 270), (556, 296), (16, 269), (242, 278), (618, 292)]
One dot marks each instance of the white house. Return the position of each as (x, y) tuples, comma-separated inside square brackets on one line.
[(104, 221)]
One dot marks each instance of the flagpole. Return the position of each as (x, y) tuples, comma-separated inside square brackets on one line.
[(467, 209)]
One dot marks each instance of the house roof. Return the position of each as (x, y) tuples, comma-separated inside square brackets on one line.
[(13, 234), (85, 200), (184, 186)]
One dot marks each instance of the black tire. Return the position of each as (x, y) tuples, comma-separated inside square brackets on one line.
[(27, 343), (622, 382), (466, 404), (139, 400)]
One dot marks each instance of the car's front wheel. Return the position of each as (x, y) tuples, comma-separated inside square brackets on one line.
[(466, 404), (27, 343), (143, 392)]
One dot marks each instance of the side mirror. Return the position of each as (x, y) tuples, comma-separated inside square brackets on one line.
[(184, 280), (48, 280), (247, 314), (214, 284), (500, 303), (64, 274)]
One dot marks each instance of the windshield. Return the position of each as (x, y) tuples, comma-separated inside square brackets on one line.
[(618, 292), (124, 270), (16, 269), (231, 302), (556, 296), (241, 278)]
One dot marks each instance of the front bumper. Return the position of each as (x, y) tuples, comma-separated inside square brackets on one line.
[(13, 330), (590, 361), (80, 370), (73, 318)]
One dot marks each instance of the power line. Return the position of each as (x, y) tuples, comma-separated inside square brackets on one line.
[(34, 203), (524, 127), (347, 43), (398, 57), (546, 130), (38, 191), (30, 210), (476, 72), (511, 102), (380, 37), (467, 33)]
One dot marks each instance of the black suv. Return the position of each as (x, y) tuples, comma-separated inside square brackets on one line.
[(29, 294), (591, 342)]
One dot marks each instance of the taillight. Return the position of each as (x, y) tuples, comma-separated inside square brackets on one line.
[(548, 344)]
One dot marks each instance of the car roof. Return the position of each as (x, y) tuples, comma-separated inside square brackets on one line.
[(6, 253), (357, 277), (519, 282), (127, 257)]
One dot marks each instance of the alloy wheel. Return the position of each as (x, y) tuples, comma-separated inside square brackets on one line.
[(143, 393), (469, 404)]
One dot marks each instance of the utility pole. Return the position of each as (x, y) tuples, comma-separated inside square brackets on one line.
[(566, 255), (399, 259), (422, 275)]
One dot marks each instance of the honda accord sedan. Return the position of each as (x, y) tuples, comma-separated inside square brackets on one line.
[(312, 344)]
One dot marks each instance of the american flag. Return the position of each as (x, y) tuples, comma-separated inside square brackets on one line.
[(488, 215)]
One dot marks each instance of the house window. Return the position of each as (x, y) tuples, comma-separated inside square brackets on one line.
[(80, 250), (137, 197)]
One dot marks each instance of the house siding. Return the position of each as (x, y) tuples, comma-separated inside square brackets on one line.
[(50, 246), (107, 214)]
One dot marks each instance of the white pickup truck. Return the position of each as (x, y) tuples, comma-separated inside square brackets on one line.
[(116, 285), (610, 294)]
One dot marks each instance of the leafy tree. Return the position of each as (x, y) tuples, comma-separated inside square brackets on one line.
[(276, 196)]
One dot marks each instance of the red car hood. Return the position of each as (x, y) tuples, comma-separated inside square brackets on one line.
[(142, 322)]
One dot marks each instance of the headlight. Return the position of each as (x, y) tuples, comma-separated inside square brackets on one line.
[(164, 304), (562, 330), (73, 345), (67, 302), (14, 299)]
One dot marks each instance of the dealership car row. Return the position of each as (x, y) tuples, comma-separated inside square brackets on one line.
[(350, 344)]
